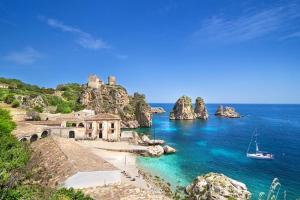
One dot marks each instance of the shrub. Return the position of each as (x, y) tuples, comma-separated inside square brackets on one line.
[(9, 98), (63, 107), (67, 194), (38, 109), (13, 153), (15, 103)]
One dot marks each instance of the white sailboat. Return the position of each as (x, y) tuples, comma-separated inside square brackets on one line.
[(258, 154)]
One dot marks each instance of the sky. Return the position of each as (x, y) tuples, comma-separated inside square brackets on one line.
[(225, 51)]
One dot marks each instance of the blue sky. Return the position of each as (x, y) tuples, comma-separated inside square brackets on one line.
[(222, 50)]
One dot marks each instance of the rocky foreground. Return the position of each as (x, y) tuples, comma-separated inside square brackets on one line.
[(228, 112), (183, 109), (213, 186)]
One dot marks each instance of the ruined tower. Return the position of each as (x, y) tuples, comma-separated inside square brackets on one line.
[(111, 80), (94, 82)]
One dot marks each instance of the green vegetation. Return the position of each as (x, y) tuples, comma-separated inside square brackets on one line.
[(14, 156), (64, 99)]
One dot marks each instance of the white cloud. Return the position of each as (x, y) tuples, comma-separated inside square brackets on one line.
[(84, 39), (248, 26), (26, 56)]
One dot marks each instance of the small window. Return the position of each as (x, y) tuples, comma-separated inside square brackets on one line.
[(112, 125), (90, 134), (113, 131), (90, 126), (100, 125)]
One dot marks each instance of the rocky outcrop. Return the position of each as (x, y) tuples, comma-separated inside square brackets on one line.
[(227, 112), (215, 186), (183, 109), (147, 141), (157, 110), (169, 150), (133, 110), (200, 109), (155, 151)]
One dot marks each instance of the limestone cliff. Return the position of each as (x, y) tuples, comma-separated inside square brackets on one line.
[(133, 110), (227, 112), (200, 109), (183, 109), (215, 186)]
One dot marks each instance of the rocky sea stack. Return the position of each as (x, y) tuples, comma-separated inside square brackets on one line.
[(183, 109), (227, 112), (214, 186), (200, 109)]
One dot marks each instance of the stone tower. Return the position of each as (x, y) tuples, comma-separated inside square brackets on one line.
[(94, 82), (111, 80)]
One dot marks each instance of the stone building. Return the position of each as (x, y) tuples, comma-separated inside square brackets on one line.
[(94, 82), (102, 126), (3, 85), (111, 80)]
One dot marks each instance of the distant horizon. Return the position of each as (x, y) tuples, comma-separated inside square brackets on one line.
[(245, 51)]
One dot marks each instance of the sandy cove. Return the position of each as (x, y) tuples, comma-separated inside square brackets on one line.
[(89, 156)]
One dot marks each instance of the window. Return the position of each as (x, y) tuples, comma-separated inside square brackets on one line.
[(90, 134), (100, 125), (90, 125), (112, 125), (112, 131)]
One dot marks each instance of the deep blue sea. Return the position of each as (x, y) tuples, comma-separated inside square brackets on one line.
[(220, 145)]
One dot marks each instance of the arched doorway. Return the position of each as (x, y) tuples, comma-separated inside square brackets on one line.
[(23, 139), (71, 134), (100, 134), (44, 134), (80, 125), (34, 137)]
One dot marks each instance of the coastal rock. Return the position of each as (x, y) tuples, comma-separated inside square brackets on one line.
[(200, 109), (155, 151), (214, 186), (133, 110), (157, 110), (147, 141), (227, 112), (156, 142), (168, 149), (183, 109)]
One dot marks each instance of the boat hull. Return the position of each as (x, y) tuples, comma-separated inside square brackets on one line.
[(260, 156)]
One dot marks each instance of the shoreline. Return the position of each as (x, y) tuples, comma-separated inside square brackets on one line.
[(133, 174)]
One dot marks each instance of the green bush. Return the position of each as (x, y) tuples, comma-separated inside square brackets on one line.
[(69, 194), (15, 103), (13, 153), (9, 98), (63, 107), (38, 109)]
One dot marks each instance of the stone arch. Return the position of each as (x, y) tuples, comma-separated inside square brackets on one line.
[(44, 134), (24, 139), (34, 138), (73, 125), (71, 134), (81, 125)]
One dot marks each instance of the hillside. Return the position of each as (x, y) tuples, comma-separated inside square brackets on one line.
[(65, 98)]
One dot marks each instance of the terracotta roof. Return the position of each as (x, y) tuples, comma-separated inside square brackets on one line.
[(103, 116)]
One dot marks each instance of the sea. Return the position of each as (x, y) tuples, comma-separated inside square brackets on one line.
[(220, 145)]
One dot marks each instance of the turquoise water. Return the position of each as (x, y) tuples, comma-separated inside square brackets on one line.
[(220, 145)]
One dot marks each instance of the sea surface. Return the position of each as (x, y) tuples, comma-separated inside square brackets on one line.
[(220, 145)]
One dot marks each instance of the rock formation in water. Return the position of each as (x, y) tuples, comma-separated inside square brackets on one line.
[(183, 109), (227, 112), (157, 110), (200, 109), (169, 150), (110, 98), (215, 186)]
